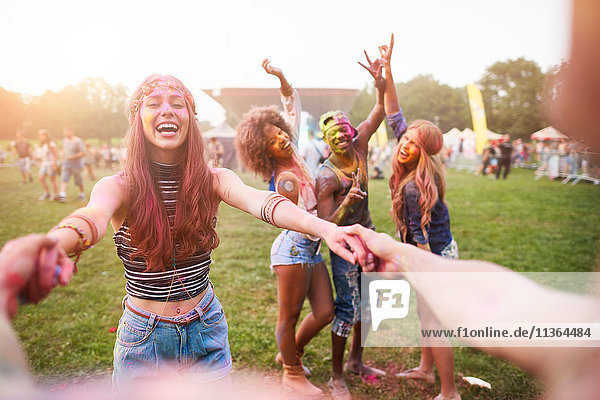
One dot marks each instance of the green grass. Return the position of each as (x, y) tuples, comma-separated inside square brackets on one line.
[(523, 224)]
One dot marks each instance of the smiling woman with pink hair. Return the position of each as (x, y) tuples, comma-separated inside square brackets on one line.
[(163, 210), (418, 187)]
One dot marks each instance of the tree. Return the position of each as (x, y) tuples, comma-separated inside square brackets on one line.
[(93, 108), (513, 93), (12, 108), (421, 98)]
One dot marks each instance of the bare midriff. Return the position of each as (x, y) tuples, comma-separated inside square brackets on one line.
[(169, 308)]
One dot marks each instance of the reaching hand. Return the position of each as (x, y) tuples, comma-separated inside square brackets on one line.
[(383, 252), (355, 194), (346, 245), (266, 64), (28, 265), (375, 68), (386, 52)]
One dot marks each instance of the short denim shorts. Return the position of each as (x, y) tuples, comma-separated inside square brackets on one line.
[(67, 171), (46, 169), (290, 248), (146, 346)]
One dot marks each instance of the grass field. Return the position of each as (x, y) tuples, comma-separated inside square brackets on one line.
[(523, 224)]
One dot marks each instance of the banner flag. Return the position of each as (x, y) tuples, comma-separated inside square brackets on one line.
[(478, 116)]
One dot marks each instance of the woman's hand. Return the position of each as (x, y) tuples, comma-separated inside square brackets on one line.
[(384, 254), (266, 64), (344, 244), (386, 52)]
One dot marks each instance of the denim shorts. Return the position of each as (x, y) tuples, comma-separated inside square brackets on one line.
[(46, 169), (67, 171), (146, 346), (290, 248), (346, 278)]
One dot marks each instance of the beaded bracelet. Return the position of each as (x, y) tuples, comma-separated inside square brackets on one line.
[(84, 244), (268, 207), (91, 224)]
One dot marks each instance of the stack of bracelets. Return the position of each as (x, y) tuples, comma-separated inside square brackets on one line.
[(268, 206), (84, 243)]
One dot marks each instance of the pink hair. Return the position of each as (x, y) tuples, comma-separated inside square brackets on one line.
[(428, 174), (194, 226)]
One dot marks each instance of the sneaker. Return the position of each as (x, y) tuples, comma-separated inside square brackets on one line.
[(81, 196), (61, 199), (53, 197), (44, 196)]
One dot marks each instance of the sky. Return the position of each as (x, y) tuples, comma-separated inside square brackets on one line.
[(48, 44)]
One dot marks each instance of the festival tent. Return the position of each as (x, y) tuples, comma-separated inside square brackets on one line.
[(224, 134), (467, 133), (451, 137), (548, 133), (493, 135)]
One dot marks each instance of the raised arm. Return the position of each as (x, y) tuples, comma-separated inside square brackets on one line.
[(234, 192), (393, 112), (366, 128), (289, 98)]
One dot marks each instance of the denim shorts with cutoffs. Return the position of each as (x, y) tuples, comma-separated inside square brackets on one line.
[(291, 248), (194, 343)]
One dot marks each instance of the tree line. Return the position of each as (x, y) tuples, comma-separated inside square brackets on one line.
[(93, 108), (513, 91)]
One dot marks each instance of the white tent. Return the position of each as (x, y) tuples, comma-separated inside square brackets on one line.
[(452, 132), (493, 135), (548, 133), (221, 131)]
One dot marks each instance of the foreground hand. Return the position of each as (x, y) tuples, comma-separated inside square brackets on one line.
[(384, 252), (345, 245), (266, 64), (28, 265)]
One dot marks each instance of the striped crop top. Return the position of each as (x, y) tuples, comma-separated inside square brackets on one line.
[(187, 279)]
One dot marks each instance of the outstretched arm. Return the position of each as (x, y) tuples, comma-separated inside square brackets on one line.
[(458, 292), (107, 197), (393, 112), (234, 192), (366, 128)]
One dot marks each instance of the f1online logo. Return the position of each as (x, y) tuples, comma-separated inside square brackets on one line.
[(389, 299)]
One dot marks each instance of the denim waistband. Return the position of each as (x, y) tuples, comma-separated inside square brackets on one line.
[(183, 319)]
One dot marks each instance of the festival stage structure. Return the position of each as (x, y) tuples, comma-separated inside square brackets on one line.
[(315, 101)]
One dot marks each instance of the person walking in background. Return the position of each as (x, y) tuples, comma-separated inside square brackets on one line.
[(74, 150), (215, 153), (314, 153), (23, 151), (48, 164), (504, 156), (89, 160)]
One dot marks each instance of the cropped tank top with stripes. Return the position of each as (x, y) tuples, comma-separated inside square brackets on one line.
[(188, 278)]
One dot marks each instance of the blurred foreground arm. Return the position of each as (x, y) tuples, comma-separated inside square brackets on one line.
[(474, 298)]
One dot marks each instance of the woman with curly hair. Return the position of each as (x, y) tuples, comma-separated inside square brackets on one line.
[(163, 209), (418, 187), (266, 145)]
